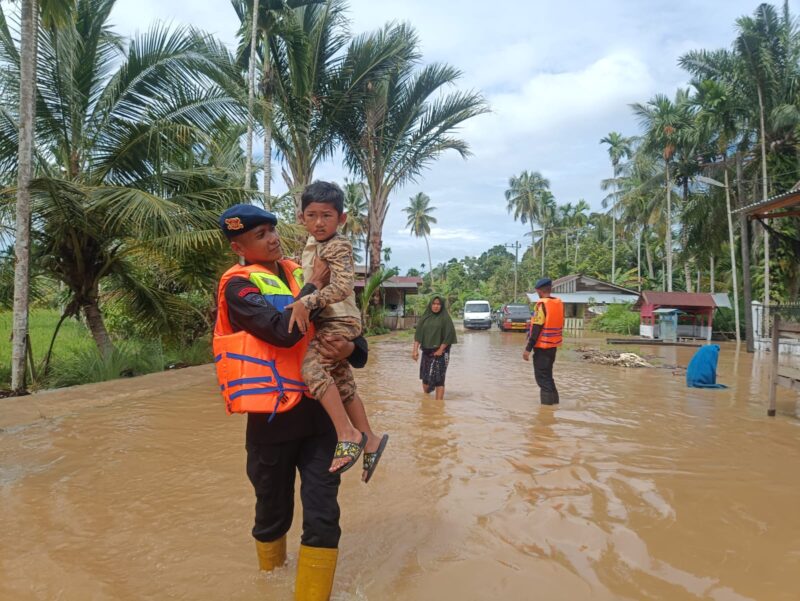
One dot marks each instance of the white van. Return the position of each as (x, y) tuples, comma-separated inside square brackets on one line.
[(477, 315)]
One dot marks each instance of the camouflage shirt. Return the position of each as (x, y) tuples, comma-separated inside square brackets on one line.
[(337, 298)]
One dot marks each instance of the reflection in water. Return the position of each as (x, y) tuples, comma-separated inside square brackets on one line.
[(635, 487)]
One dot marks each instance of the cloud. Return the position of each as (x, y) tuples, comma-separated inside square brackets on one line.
[(558, 75)]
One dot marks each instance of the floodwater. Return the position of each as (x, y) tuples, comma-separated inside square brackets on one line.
[(635, 487)]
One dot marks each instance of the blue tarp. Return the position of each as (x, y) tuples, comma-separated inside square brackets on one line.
[(702, 370)]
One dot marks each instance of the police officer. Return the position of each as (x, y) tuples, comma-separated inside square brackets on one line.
[(280, 442), (544, 338)]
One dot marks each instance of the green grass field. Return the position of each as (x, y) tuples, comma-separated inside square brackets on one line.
[(76, 359), (72, 338)]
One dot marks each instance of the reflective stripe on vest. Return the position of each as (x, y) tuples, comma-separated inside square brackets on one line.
[(253, 376), (552, 332), (273, 289)]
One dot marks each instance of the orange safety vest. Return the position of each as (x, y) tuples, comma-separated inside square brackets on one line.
[(552, 334), (253, 376)]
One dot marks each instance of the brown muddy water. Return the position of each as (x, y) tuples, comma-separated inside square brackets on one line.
[(634, 488)]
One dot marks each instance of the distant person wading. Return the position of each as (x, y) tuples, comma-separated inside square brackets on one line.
[(435, 334), (544, 338)]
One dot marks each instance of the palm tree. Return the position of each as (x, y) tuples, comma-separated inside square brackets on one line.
[(723, 105), (118, 132), (355, 205), (720, 114), (401, 122), (524, 198), (547, 215), (664, 122), (262, 22), (420, 218), (767, 47), (27, 86), (251, 93), (305, 59), (54, 14), (639, 203), (619, 148), (315, 84)]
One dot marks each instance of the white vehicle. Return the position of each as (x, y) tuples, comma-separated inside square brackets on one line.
[(477, 315)]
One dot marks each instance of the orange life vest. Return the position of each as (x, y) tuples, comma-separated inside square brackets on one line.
[(552, 334), (254, 376)]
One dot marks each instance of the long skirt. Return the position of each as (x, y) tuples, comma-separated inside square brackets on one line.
[(433, 370)]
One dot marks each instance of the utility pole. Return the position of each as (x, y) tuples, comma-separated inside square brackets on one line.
[(516, 246)]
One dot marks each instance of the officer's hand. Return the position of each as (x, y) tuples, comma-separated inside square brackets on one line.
[(320, 274), (299, 316), (334, 348), (526, 355)]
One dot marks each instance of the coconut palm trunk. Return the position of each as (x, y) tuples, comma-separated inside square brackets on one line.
[(251, 96), (639, 259), (764, 198), (747, 286), (377, 216), (22, 243), (544, 241), (94, 320), (648, 255), (668, 236), (732, 245), (430, 261), (266, 74), (711, 274), (614, 229)]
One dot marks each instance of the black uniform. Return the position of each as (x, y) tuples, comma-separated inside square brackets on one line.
[(543, 360), (302, 439)]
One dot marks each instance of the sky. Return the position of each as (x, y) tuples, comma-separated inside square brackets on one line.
[(558, 76)]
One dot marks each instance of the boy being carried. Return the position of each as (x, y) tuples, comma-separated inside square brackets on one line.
[(333, 385)]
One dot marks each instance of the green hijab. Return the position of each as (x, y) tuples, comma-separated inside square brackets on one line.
[(435, 329)]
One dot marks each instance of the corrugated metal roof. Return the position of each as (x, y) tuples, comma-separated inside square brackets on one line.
[(582, 298), (677, 299), (723, 300), (407, 283), (775, 202)]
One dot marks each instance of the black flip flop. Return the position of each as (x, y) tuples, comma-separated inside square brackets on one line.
[(345, 448), (371, 459)]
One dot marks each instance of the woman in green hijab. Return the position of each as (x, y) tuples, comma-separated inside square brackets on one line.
[(435, 333)]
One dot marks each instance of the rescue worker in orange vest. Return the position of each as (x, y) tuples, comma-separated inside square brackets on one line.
[(544, 338), (259, 364)]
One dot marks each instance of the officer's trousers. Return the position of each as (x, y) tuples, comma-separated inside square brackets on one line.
[(543, 360), (272, 469)]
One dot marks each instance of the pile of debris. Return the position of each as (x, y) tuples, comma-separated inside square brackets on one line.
[(613, 358)]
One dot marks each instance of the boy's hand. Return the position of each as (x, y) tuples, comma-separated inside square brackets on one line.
[(320, 274), (299, 316)]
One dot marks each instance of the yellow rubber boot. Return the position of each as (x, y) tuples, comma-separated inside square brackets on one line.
[(271, 555), (315, 569)]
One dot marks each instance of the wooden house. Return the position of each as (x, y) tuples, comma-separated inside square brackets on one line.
[(584, 296)]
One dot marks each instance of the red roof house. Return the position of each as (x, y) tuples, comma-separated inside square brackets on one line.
[(691, 312)]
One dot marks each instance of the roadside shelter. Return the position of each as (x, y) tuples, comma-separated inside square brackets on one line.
[(694, 313)]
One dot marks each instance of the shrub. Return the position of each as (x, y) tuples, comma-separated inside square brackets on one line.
[(618, 319), (87, 365)]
